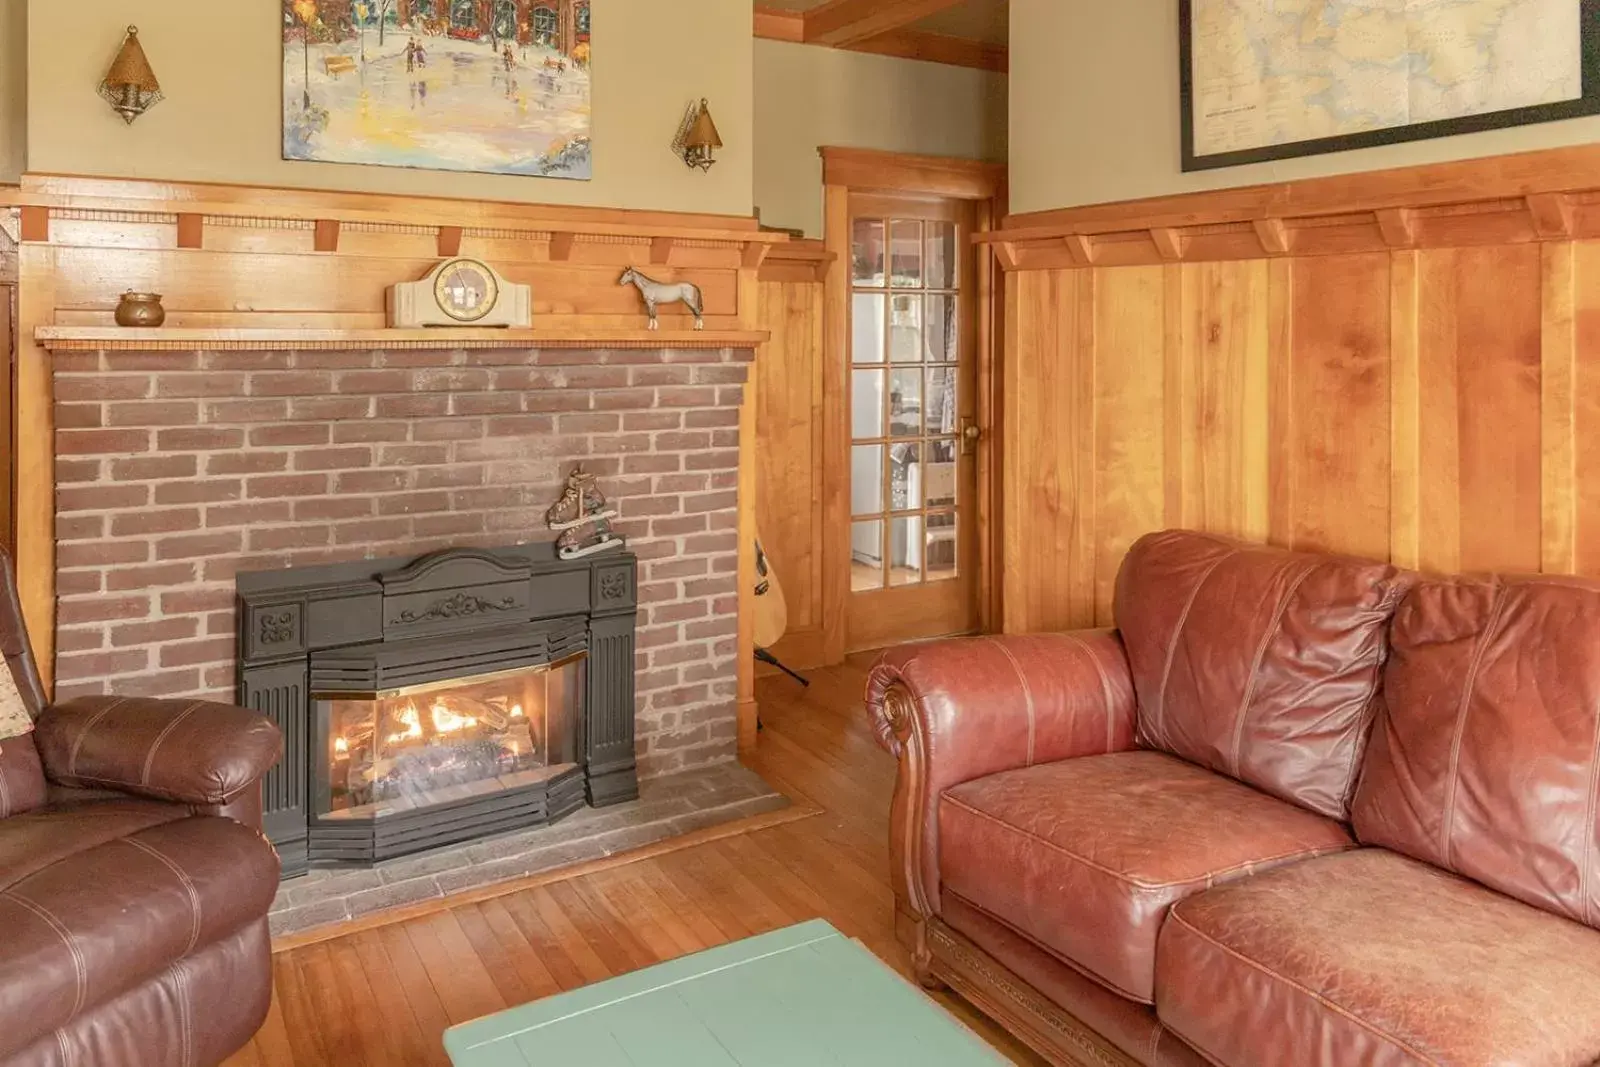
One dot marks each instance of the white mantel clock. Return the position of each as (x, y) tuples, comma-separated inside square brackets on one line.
[(461, 292)]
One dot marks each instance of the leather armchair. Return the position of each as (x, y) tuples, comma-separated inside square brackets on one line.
[(134, 879), (955, 711)]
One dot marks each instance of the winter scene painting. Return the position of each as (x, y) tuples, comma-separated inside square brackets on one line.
[(498, 86)]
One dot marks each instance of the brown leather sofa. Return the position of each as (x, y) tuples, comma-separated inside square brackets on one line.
[(1298, 810), (134, 879)]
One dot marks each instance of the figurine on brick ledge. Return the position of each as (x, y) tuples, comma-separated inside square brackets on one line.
[(583, 518)]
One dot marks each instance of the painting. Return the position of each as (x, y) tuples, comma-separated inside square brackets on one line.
[(491, 86)]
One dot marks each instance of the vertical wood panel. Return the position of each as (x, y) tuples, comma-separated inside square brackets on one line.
[(1438, 414), (788, 389), (1130, 439), (1280, 402), (1339, 443), (1405, 412), (1499, 419), (1221, 472), (1558, 382), (1480, 456), (1050, 488), (1586, 408)]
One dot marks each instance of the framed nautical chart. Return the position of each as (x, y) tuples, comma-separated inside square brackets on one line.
[(1271, 79)]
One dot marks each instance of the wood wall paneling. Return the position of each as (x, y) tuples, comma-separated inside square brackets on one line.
[(789, 453), (1413, 374)]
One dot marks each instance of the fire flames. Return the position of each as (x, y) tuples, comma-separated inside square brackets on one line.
[(445, 722)]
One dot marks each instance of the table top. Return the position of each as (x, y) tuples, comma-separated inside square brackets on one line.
[(803, 996)]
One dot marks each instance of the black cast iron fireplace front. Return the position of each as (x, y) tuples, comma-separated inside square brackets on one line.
[(355, 660)]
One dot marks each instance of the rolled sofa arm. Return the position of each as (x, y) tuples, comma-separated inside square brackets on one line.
[(953, 711), (192, 752)]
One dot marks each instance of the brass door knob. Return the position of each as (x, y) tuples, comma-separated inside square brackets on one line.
[(969, 436)]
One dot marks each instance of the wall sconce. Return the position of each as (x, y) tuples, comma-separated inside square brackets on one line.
[(130, 86), (698, 139)]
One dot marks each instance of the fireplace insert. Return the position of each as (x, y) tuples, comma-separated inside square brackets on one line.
[(434, 701)]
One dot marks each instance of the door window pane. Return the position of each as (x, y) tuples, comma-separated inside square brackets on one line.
[(866, 404), (940, 330), (905, 334), (866, 479), (940, 413), (943, 466), (905, 476), (866, 252), (905, 403), (906, 550), (905, 253), (866, 555), (905, 388), (941, 261), (942, 562), (866, 316)]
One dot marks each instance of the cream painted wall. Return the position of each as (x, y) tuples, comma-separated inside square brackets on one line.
[(13, 88), (219, 65), (807, 96), (1094, 112)]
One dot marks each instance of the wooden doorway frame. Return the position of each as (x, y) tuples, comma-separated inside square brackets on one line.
[(847, 171)]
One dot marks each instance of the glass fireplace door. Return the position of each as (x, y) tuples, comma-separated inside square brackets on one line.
[(405, 750)]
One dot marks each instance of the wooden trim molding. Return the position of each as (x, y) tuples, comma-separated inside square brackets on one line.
[(776, 24), (843, 22), (868, 170), (167, 339), (798, 261), (1551, 195)]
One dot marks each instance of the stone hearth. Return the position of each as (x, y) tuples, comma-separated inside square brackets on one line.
[(177, 470)]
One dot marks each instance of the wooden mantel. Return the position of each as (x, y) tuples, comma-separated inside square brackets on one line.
[(264, 269), (178, 339)]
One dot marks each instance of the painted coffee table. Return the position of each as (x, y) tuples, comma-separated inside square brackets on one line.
[(803, 996)]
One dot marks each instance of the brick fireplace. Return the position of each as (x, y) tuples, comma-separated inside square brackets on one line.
[(177, 470)]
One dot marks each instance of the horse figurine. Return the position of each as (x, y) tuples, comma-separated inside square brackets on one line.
[(655, 293)]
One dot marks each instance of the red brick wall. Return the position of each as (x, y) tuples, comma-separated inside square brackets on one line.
[(177, 470)]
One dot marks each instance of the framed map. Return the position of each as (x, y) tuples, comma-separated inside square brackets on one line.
[(1271, 79)]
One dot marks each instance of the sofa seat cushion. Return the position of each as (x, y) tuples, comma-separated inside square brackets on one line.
[(141, 892), (1373, 958), (1086, 856)]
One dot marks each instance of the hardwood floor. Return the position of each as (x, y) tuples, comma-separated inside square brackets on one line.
[(383, 996)]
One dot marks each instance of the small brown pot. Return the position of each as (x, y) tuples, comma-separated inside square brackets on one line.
[(141, 309)]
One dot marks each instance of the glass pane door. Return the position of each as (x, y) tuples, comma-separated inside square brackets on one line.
[(907, 396)]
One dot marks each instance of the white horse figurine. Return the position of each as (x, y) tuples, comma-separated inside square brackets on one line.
[(655, 293)]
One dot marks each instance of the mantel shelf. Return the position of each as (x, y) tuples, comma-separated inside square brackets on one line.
[(180, 339)]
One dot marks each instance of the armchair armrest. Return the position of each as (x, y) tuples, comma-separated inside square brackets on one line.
[(190, 752), (953, 711)]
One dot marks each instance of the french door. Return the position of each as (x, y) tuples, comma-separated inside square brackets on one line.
[(911, 384)]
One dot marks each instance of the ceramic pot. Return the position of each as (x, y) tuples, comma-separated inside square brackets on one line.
[(141, 309)]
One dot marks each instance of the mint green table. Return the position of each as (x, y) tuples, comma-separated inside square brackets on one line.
[(806, 996)]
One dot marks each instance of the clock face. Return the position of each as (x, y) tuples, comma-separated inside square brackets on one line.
[(466, 290)]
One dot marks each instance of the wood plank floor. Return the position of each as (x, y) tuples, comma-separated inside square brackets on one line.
[(381, 997)]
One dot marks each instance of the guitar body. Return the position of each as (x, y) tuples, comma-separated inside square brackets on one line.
[(771, 609)]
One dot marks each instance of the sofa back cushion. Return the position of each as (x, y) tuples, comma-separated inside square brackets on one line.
[(1255, 662), (1483, 759)]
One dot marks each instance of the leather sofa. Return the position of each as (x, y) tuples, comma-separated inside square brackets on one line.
[(1297, 810), (134, 878)]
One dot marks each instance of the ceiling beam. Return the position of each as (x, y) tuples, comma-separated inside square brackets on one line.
[(846, 22), (774, 24)]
